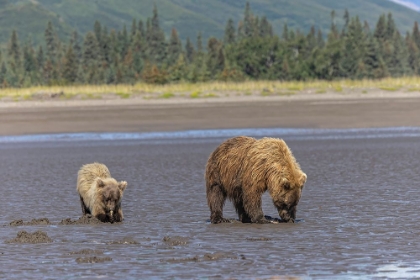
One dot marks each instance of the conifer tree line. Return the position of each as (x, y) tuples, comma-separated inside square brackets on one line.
[(249, 50)]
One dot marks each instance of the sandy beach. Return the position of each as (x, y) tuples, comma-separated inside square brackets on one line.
[(380, 109)]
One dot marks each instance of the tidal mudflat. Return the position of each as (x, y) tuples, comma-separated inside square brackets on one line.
[(358, 215)]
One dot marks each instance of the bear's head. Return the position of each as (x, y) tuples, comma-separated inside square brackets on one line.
[(111, 193), (288, 196)]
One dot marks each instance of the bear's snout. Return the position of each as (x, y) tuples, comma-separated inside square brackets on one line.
[(288, 214)]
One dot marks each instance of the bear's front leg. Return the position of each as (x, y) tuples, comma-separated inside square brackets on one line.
[(252, 206), (118, 216), (100, 214), (102, 217)]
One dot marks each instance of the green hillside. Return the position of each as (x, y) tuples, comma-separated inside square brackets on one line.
[(30, 17)]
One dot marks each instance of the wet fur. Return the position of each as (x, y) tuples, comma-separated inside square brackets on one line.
[(94, 184), (243, 168)]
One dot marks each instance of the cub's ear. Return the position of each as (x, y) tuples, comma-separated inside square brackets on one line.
[(302, 179), (100, 183), (122, 185)]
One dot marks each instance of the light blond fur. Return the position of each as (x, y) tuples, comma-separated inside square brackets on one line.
[(93, 181)]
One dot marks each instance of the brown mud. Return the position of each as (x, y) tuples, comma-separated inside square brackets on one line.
[(34, 222), (84, 220), (93, 259), (32, 238), (124, 241), (87, 252)]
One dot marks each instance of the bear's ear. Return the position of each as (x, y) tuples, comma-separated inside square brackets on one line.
[(285, 184), (302, 179), (100, 183), (122, 185)]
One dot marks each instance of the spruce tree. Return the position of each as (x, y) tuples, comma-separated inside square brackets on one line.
[(215, 60), (40, 58), (199, 43), (380, 34), (285, 34), (189, 50), (413, 54), (52, 44), (138, 48), (70, 66), (174, 47), (229, 37), (353, 48), (29, 59), (140, 28), (75, 42), (133, 29), (14, 53), (265, 28), (390, 28), (399, 65), (373, 66), (416, 34), (248, 22), (123, 41), (97, 29), (90, 58)]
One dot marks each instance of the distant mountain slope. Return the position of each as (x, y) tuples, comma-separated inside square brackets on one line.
[(30, 17), (409, 4)]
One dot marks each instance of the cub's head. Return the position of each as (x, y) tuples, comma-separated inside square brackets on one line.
[(288, 197), (111, 193)]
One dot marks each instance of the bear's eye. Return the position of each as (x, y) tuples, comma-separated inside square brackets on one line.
[(286, 186)]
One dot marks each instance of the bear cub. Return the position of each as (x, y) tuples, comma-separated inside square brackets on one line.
[(243, 168), (100, 194)]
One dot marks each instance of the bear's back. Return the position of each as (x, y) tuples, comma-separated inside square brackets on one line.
[(273, 152), (89, 172)]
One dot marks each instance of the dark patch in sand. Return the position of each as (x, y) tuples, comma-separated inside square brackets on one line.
[(207, 257), (175, 240), (84, 220), (219, 255), (26, 237), (87, 252), (93, 259), (182, 260), (34, 222), (258, 239), (125, 240)]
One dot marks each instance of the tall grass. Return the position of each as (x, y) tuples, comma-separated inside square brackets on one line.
[(406, 83)]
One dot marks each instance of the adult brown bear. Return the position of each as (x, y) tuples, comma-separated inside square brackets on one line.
[(100, 194), (243, 168)]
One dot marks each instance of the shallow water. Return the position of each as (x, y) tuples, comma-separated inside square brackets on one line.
[(358, 212)]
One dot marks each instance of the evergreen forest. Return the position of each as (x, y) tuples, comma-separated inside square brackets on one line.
[(249, 50)]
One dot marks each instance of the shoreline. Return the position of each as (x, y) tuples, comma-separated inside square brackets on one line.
[(350, 110), (183, 101)]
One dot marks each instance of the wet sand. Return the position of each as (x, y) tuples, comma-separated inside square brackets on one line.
[(358, 216), (145, 116)]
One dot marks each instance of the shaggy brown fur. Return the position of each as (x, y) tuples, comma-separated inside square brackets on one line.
[(243, 168), (100, 194)]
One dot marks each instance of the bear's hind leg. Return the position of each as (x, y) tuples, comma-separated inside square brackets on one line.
[(85, 210), (216, 199)]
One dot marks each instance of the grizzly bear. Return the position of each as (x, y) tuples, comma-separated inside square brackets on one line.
[(100, 194), (243, 168)]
